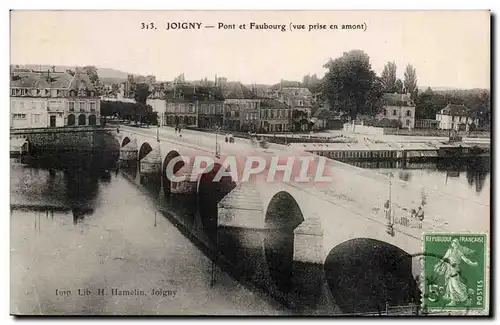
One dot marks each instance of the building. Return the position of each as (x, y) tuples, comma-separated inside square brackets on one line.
[(180, 107), (210, 107), (274, 116), (456, 117), (324, 118), (398, 107), (300, 101), (241, 108), (53, 99), (195, 106)]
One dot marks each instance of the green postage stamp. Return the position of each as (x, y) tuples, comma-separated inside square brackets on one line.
[(454, 272)]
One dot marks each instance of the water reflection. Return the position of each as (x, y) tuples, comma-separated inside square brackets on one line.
[(264, 259), (475, 171)]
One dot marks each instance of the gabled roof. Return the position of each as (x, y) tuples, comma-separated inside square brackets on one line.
[(193, 92), (454, 109), (51, 80), (235, 90), (391, 99), (272, 103), (296, 91)]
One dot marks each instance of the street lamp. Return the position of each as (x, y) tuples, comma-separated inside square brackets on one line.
[(217, 151), (390, 221), (158, 133)]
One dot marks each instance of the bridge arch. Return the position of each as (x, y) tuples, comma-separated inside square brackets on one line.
[(283, 211), (125, 141), (363, 274), (144, 150), (283, 215), (210, 193), (166, 176)]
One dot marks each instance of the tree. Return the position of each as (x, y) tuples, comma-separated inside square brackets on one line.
[(349, 81), (141, 93), (374, 102), (70, 72), (398, 86), (91, 71), (410, 81), (389, 77)]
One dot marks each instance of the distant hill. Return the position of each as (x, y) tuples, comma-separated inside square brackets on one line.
[(106, 75), (450, 89)]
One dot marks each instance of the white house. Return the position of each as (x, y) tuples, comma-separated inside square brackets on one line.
[(455, 117)]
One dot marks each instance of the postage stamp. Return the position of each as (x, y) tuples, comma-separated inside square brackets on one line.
[(454, 272)]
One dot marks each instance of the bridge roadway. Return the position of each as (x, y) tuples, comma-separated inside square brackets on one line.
[(324, 216)]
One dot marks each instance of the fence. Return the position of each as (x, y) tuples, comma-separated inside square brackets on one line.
[(435, 133)]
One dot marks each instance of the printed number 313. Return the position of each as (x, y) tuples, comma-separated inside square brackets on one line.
[(147, 26), (434, 292)]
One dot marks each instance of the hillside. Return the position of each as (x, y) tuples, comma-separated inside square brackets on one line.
[(106, 75)]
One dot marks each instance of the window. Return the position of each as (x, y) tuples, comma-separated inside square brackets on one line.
[(92, 106), (35, 118), (19, 116), (81, 119), (92, 120), (71, 106), (53, 93), (12, 92), (21, 104), (71, 119), (407, 122), (394, 113), (82, 106), (385, 112), (408, 113)]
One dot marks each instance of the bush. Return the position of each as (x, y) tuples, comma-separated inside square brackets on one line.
[(383, 123)]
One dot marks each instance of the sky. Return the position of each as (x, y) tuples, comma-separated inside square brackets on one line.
[(447, 48)]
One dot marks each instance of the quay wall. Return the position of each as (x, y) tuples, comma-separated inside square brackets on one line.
[(67, 138)]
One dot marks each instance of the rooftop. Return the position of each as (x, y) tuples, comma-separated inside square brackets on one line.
[(391, 99), (454, 109), (236, 90), (49, 80)]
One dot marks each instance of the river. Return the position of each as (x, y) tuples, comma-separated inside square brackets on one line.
[(81, 228)]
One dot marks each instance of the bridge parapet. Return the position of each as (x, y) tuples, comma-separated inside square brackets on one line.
[(358, 203)]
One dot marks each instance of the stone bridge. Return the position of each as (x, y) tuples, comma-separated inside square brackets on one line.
[(359, 218)]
